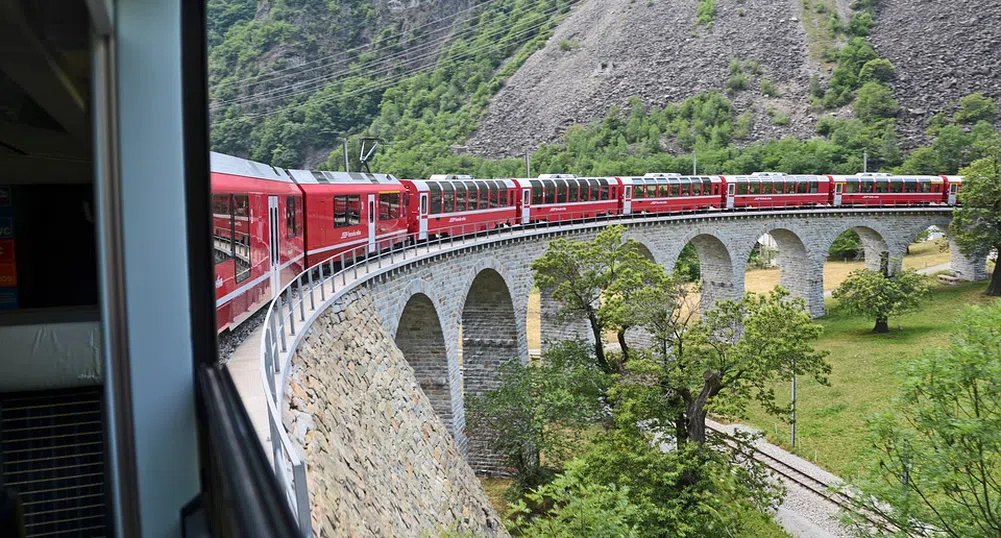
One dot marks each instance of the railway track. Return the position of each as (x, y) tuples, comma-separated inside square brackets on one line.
[(809, 482)]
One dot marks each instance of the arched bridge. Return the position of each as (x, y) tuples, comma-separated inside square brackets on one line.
[(472, 294)]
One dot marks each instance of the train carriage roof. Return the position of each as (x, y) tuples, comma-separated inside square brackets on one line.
[(759, 176), (228, 164), (323, 177)]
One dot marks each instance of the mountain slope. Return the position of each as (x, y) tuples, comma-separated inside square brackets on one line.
[(942, 52), (609, 50)]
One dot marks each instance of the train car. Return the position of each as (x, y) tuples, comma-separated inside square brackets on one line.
[(353, 213), (951, 189), (766, 190), (447, 204), (257, 235), (558, 197), (665, 193), (879, 189)]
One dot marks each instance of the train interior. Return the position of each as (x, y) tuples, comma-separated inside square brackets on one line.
[(52, 443)]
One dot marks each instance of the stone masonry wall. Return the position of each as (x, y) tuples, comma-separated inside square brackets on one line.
[(380, 462)]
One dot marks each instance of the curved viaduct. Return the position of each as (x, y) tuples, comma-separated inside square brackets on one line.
[(474, 296)]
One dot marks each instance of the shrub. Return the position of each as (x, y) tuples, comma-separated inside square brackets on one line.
[(753, 67), (778, 117), (745, 122), (737, 82), (734, 66), (567, 45), (879, 70), (875, 101), (706, 12), (861, 24), (816, 89), (768, 88), (976, 107)]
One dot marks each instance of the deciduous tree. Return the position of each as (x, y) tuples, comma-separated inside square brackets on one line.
[(581, 274), (875, 295), (935, 468), (539, 410), (976, 224), (736, 349)]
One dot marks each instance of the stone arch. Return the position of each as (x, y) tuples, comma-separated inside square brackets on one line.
[(716, 265), (874, 244), (420, 337), (490, 337), (800, 269), (645, 251)]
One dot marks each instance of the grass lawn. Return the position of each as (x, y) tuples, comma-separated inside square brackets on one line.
[(867, 372), (922, 256), (496, 488)]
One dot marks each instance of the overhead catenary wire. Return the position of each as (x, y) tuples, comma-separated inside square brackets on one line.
[(278, 72), (391, 80), (286, 93)]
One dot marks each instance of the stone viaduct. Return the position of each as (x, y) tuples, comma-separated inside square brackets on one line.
[(476, 298)]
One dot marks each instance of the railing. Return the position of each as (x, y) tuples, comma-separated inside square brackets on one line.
[(298, 304)]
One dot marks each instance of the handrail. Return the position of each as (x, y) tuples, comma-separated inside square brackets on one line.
[(342, 272), (239, 492)]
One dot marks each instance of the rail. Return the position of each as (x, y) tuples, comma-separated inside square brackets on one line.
[(300, 302)]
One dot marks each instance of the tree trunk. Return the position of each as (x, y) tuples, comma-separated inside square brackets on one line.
[(621, 335), (696, 408), (882, 325), (599, 347), (994, 288)]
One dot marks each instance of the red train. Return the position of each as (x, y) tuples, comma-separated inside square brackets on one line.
[(271, 224)]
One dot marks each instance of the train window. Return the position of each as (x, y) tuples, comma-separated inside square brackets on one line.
[(603, 190), (536, 192), (435, 198), (926, 186), (549, 189), (492, 194), (638, 191), (910, 186), (222, 227), (592, 193), (651, 188), (347, 211), (675, 189), (741, 187), (389, 205), (460, 196), (896, 186), (241, 236), (291, 226), (447, 197), (882, 186), (573, 194), (354, 210), (484, 196), (663, 189), (802, 187), (707, 186), (561, 191)]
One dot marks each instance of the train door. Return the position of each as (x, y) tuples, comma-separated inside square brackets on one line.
[(371, 223), (274, 251), (731, 190), (526, 205), (422, 217), (953, 191), (839, 189), (627, 199)]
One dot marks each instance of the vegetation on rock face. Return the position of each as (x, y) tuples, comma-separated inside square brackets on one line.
[(875, 294), (976, 226), (705, 12), (934, 465)]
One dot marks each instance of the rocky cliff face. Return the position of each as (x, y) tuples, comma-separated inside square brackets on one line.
[(379, 460), (609, 50), (942, 51)]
